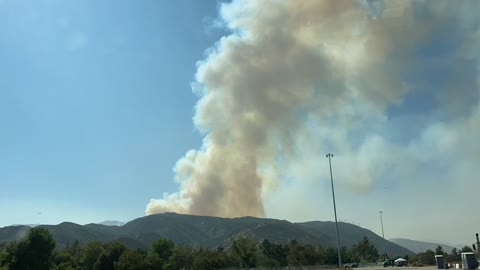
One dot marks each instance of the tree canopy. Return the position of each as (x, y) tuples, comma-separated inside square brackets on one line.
[(37, 251), (34, 252)]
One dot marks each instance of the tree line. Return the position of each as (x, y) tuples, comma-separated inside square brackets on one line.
[(37, 251), (428, 257)]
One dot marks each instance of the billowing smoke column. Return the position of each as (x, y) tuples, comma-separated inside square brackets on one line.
[(280, 78)]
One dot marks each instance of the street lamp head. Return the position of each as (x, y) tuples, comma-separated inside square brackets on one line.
[(329, 155)]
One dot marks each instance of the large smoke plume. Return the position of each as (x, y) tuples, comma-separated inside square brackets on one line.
[(293, 80)]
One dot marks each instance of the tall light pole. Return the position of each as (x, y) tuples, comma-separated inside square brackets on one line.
[(329, 155), (383, 235), (478, 246)]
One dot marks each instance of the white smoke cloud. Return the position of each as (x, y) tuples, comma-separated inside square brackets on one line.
[(297, 79)]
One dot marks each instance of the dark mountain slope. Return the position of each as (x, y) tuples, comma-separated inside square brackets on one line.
[(350, 234), (206, 231), (419, 246)]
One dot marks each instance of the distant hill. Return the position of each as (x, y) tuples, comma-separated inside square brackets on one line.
[(206, 231), (14, 232), (29, 225), (111, 223), (419, 246)]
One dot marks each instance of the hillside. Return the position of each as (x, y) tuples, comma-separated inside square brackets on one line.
[(419, 246), (350, 234), (207, 232)]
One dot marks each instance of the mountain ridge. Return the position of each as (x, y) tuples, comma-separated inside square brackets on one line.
[(420, 246), (210, 232)]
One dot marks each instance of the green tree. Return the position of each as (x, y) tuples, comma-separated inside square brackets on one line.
[(35, 252), (310, 255), (321, 255), (347, 256), (15, 255), (364, 251), (182, 258), (265, 258), (246, 249), (299, 255), (73, 249), (103, 262), (272, 255), (154, 262), (40, 248), (213, 259), (163, 248), (65, 266), (280, 253), (331, 256), (3, 258), (133, 260), (439, 250), (89, 254), (454, 256), (63, 260), (466, 249), (109, 256), (427, 257), (295, 254)]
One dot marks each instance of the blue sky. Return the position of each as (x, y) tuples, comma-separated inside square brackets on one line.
[(97, 114), (95, 104)]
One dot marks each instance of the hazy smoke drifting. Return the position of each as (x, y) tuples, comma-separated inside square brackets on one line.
[(279, 80)]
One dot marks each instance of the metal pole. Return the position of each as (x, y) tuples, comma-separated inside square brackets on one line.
[(478, 246), (383, 235), (329, 155)]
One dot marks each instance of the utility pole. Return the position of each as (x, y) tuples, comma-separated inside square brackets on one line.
[(329, 155), (383, 235), (478, 246)]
